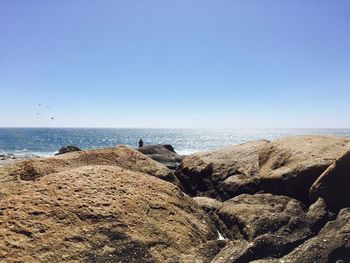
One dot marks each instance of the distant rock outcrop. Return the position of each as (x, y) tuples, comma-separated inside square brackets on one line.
[(164, 154), (67, 149), (8, 158)]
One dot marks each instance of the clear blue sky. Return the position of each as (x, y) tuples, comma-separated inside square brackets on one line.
[(180, 63)]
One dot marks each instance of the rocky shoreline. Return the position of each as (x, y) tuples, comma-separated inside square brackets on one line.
[(286, 200), (8, 158)]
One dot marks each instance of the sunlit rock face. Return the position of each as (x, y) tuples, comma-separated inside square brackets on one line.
[(290, 165), (223, 173), (100, 213)]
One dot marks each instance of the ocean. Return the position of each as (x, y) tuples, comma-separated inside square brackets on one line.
[(47, 141)]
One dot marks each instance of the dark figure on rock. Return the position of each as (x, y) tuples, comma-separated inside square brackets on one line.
[(140, 143)]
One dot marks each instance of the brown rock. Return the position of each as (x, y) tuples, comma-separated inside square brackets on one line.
[(211, 206), (208, 204), (163, 153), (223, 173), (120, 156), (206, 252), (289, 166), (333, 184), (234, 251), (318, 215), (332, 244), (241, 251), (100, 214), (278, 221)]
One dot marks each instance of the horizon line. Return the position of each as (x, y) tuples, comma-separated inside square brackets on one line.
[(178, 128)]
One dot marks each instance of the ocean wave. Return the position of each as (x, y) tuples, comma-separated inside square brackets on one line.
[(187, 151)]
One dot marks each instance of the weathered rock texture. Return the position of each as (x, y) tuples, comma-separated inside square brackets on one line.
[(289, 166), (120, 156), (332, 244), (266, 226), (277, 219), (163, 153), (208, 204), (318, 215), (334, 184), (235, 251), (223, 173), (114, 205), (100, 214)]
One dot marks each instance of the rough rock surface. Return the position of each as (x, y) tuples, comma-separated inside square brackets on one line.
[(223, 173), (270, 226), (334, 184), (163, 153), (234, 251), (109, 205), (67, 149), (211, 206), (205, 251), (332, 244), (273, 219), (208, 204), (289, 166), (120, 156), (318, 215), (100, 214), (242, 251)]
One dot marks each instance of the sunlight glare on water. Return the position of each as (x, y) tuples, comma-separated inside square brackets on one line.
[(46, 141)]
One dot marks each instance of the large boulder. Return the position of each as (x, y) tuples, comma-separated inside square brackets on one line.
[(157, 149), (332, 244), (275, 222), (163, 153), (120, 156), (101, 213), (333, 184), (290, 165), (222, 173)]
